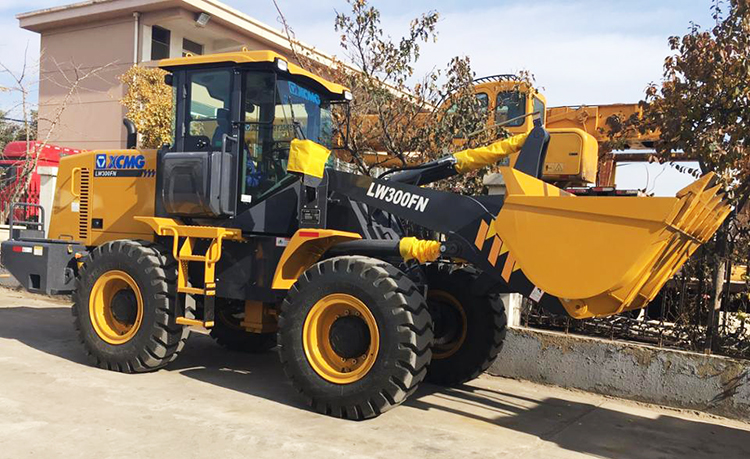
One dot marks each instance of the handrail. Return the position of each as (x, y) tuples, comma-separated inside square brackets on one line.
[(12, 220)]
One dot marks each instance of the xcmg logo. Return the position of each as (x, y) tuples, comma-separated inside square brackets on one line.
[(114, 165), (120, 161)]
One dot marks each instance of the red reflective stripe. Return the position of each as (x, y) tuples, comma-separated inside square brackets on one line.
[(17, 248), (309, 234)]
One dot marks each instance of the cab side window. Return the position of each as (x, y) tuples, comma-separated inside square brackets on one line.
[(510, 105), (540, 108), (484, 101), (209, 115)]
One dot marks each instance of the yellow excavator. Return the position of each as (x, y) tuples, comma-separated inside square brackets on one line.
[(576, 132), (241, 226)]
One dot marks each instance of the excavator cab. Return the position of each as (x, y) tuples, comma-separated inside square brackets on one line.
[(236, 115), (573, 154), (511, 103)]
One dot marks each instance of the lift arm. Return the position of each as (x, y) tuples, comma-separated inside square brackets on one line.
[(532, 148)]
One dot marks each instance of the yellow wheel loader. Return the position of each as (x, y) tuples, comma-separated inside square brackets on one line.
[(241, 226)]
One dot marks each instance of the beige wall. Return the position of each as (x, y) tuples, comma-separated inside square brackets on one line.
[(93, 118), (215, 37)]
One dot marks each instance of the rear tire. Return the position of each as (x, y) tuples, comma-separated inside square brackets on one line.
[(469, 328), (354, 337), (124, 309), (230, 335)]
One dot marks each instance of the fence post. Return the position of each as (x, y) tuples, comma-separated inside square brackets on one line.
[(712, 321)]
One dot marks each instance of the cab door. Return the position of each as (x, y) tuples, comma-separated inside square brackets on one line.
[(198, 176)]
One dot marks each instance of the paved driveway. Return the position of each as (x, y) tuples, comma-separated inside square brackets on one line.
[(214, 403)]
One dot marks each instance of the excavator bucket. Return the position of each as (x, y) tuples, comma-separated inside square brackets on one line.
[(604, 255)]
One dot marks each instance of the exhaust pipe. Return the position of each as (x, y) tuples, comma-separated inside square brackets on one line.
[(131, 141)]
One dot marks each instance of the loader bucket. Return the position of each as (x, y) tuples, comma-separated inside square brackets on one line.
[(604, 255)]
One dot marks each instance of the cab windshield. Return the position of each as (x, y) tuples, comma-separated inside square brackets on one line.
[(275, 112), (305, 110)]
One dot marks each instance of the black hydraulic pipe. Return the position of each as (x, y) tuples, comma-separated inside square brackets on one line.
[(366, 247), (426, 173)]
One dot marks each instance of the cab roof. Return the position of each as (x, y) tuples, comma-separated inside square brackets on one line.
[(246, 57)]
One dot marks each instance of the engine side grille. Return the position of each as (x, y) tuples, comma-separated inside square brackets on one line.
[(83, 210)]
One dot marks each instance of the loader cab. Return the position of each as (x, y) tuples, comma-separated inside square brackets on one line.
[(235, 117)]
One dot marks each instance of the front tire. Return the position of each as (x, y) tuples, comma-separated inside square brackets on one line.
[(469, 328), (124, 309), (355, 337)]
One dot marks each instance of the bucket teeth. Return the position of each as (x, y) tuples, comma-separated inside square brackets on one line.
[(698, 213)]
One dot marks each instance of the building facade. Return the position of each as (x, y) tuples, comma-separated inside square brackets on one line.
[(115, 35)]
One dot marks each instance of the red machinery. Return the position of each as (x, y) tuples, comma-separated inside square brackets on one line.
[(11, 163)]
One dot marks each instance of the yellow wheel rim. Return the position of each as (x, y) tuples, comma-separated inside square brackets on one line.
[(445, 350), (316, 339), (106, 325)]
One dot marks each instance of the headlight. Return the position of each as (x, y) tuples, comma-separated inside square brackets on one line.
[(282, 65), (348, 95)]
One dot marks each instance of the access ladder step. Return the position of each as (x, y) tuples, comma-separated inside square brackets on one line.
[(194, 322)]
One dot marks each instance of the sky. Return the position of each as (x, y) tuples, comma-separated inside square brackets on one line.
[(581, 52)]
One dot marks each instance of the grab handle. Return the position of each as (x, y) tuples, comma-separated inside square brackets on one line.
[(76, 194)]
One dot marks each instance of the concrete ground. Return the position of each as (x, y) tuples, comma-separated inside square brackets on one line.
[(215, 403)]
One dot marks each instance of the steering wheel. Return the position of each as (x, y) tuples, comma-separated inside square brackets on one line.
[(279, 153)]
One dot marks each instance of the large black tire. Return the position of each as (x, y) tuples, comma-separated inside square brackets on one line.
[(230, 335), (402, 322), (147, 343), (469, 328)]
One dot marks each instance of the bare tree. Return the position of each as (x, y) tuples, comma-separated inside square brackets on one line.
[(24, 81)]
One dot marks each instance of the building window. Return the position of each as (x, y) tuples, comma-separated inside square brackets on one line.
[(159, 43), (191, 47)]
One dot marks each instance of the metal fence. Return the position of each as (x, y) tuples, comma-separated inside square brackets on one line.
[(679, 317)]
